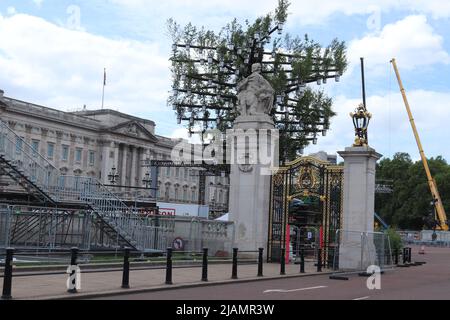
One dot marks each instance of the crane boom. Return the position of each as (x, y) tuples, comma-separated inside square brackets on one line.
[(431, 182)]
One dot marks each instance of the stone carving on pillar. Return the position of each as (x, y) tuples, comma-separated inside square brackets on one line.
[(245, 163), (28, 128), (12, 124), (255, 94)]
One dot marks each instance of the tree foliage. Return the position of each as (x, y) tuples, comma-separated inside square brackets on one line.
[(207, 65), (408, 207)]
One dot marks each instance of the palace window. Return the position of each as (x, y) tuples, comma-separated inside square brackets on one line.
[(19, 143), (35, 146), (50, 150), (65, 153), (91, 158), (78, 154)]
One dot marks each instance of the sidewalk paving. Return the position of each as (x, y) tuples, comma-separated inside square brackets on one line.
[(43, 287)]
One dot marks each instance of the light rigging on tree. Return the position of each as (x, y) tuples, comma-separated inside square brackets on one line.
[(207, 68)]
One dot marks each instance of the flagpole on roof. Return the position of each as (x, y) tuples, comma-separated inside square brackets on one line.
[(104, 85)]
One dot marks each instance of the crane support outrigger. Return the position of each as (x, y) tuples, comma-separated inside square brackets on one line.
[(441, 216)]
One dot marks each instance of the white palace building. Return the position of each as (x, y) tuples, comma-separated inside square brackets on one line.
[(92, 143)]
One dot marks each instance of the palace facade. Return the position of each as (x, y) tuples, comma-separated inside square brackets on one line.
[(95, 143)]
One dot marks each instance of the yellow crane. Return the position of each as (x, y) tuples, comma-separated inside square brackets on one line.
[(441, 216)]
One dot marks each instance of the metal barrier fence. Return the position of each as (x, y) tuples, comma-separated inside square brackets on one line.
[(52, 229), (193, 234), (5, 219), (426, 238), (356, 251)]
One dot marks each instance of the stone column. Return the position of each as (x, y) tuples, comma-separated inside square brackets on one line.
[(249, 186), (141, 170), (107, 162), (134, 159), (358, 207), (123, 170), (116, 147)]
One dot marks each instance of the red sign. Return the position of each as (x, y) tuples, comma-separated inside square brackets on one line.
[(167, 212)]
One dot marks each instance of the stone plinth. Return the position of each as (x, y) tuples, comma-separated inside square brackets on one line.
[(358, 207), (250, 187)]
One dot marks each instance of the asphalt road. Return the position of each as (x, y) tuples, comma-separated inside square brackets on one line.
[(428, 282)]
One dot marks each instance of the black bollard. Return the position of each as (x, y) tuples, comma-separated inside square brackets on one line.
[(234, 274), (260, 262), (126, 269), (405, 255), (73, 274), (205, 265), (169, 266), (302, 260), (7, 279), (283, 262), (396, 257), (319, 260)]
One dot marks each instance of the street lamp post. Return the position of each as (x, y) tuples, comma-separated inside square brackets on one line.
[(113, 176), (361, 117), (147, 181)]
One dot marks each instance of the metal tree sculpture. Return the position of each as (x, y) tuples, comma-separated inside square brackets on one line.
[(206, 68)]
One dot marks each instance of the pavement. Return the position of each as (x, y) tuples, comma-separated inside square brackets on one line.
[(427, 282), (430, 282), (100, 284)]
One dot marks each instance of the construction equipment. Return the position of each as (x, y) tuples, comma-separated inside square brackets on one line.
[(440, 211)]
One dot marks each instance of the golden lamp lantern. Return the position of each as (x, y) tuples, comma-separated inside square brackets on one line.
[(361, 119)]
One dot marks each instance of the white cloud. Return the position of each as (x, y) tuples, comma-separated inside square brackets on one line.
[(303, 12), (390, 130), (313, 12), (63, 68), (11, 10), (411, 40)]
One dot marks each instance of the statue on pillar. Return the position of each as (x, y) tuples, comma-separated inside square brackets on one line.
[(255, 94)]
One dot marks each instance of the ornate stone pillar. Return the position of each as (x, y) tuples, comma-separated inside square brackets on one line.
[(356, 238), (250, 177)]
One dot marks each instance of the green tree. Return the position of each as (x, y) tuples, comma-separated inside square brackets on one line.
[(408, 207), (206, 67)]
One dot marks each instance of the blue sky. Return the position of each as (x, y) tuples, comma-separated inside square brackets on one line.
[(52, 52)]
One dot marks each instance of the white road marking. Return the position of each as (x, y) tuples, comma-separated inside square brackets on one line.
[(293, 290), (363, 298)]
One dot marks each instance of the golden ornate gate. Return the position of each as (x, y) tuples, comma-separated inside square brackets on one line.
[(316, 181)]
